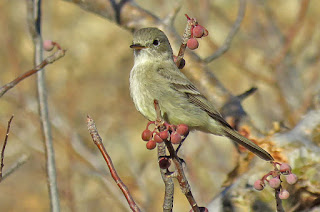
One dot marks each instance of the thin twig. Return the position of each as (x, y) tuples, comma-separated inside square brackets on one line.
[(4, 146), (34, 23), (186, 36), (183, 182), (227, 42), (98, 141), (52, 58), (22, 160)]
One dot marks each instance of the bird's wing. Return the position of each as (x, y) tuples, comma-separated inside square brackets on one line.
[(182, 84)]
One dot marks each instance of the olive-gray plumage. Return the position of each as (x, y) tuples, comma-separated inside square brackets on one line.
[(156, 76)]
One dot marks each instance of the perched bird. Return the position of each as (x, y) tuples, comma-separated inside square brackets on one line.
[(155, 76)]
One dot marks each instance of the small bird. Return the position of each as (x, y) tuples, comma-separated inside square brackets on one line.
[(155, 76)]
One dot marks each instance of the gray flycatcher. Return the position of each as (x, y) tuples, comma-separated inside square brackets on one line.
[(155, 76)]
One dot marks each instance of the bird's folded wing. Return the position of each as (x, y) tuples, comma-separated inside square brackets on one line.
[(182, 84)]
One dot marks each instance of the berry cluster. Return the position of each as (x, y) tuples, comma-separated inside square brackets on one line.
[(197, 31), (173, 133), (275, 181)]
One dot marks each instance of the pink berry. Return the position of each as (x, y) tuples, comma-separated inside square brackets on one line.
[(48, 45), (146, 135), (151, 144), (292, 178), (183, 129), (285, 167), (157, 138), (164, 135), (274, 182), (284, 194), (175, 138), (192, 44), (258, 185), (198, 31)]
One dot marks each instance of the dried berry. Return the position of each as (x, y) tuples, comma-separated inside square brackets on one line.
[(164, 163)]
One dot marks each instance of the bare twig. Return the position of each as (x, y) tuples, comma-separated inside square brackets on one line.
[(232, 33), (22, 160), (34, 23), (186, 36), (183, 182), (98, 141), (4, 147), (51, 59)]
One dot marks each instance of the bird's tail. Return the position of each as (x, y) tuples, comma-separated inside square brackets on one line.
[(243, 141)]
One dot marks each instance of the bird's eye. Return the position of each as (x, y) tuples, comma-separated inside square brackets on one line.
[(156, 42)]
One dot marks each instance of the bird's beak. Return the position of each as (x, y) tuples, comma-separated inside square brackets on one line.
[(137, 46)]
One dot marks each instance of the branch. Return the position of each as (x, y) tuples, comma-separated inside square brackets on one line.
[(232, 33), (98, 141), (168, 181), (4, 147), (179, 173), (22, 160), (34, 24), (51, 59)]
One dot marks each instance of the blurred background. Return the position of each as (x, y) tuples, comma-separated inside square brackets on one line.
[(276, 50)]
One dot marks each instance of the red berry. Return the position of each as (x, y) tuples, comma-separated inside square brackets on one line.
[(175, 138), (274, 182), (151, 144), (146, 135), (285, 167), (157, 138), (292, 178), (258, 185), (198, 31), (284, 194), (192, 44), (164, 135), (48, 45), (183, 129)]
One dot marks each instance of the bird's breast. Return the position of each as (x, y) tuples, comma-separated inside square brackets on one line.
[(141, 93)]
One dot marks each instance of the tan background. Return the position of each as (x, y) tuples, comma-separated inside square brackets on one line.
[(93, 79)]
